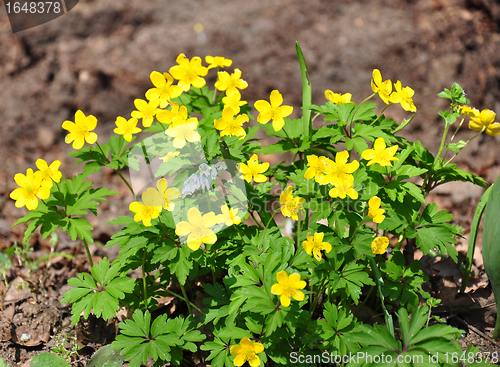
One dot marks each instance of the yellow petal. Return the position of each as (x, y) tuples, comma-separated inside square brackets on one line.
[(282, 277), (379, 144)]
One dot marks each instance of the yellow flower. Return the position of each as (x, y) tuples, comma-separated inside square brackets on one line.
[(337, 97), (197, 229), (289, 204), (150, 207), (217, 62), (228, 216), (80, 130), (31, 189), (374, 210), (146, 111), (469, 111), (288, 286), (484, 122), (403, 96), (189, 72), (317, 167), (164, 90), (229, 125), (383, 89), (229, 82), (343, 187), (314, 244), (126, 127), (184, 132), (246, 351), (168, 194), (379, 245), (169, 156), (380, 154), (273, 111), (340, 169), (254, 170), (233, 100), (49, 173)]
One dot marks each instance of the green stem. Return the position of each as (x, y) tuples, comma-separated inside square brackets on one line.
[(400, 242), (306, 94), (88, 253), (379, 280), (467, 142), (144, 281), (441, 147), (186, 299), (381, 113), (314, 304)]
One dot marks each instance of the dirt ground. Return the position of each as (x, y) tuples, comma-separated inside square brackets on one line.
[(98, 58)]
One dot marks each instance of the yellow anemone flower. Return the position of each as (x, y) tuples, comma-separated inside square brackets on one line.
[(146, 111), (164, 90), (338, 98), (184, 132), (379, 245), (317, 167), (403, 96), (340, 169), (343, 187), (80, 130), (383, 89), (150, 207), (484, 121), (374, 210), (228, 216), (189, 72), (233, 100), (254, 169), (230, 82), (126, 127), (314, 245), (197, 229), (380, 154), (246, 351), (273, 111), (217, 62), (168, 194), (49, 173), (31, 189), (229, 125), (290, 205), (288, 286)]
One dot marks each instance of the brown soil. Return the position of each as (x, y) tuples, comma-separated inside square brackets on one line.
[(98, 58)]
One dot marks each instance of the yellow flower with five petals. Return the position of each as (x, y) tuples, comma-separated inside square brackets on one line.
[(273, 111), (314, 245), (379, 245), (254, 170), (246, 351), (374, 210), (164, 90), (288, 286), (126, 127), (197, 228), (403, 96), (338, 98), (231, 125), (146, 111), (229, 216), (230, 82), (217, 62), (316, 167), (80, 130), (167, 194), (290, 205), (343, 187), (31, 189), (380, 154), (340, 168), (484, 122), (49, 173), (184, 132), (384, 89), (150, 207), (233, 100), (189, 72)]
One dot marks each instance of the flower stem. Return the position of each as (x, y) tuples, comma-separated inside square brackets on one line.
[(144, 282), (379, 281), (88, 253), (186, 299)]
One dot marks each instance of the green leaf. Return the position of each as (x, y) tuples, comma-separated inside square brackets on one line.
[(106, 356), (46, 359)]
